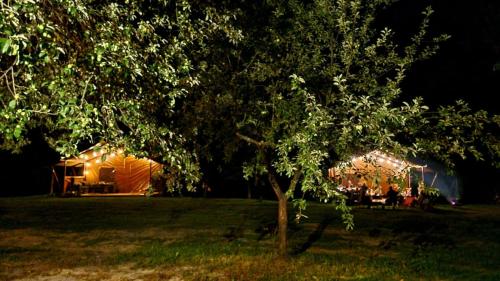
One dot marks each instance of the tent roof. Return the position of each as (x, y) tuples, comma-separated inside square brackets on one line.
[(377, 159), (91, 153)]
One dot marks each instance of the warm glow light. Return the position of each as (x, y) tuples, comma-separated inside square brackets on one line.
[(120, 150), (85, 157), (113, 154), (98, 161), (94, 154), (86, 172), (87, 164)]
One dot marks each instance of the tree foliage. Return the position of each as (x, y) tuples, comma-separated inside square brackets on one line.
[(315, 82), (108, 71)]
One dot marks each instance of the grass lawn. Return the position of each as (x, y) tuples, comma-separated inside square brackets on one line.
[(213, 239)]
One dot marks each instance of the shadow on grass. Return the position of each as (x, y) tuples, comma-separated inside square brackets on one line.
[(88, 214), (313, 237)]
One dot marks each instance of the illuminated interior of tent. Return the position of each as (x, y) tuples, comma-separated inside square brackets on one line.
[(102, 169)]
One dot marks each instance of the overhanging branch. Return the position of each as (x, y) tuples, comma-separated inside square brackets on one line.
[(259, 144)]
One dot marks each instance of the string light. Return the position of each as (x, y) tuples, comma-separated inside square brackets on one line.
[(98, 161), (87, 164)]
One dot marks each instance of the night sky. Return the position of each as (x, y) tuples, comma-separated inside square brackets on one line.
[(463, 69)]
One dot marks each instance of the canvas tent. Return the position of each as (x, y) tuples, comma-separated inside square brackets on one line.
[(378, 170), (102, 169)]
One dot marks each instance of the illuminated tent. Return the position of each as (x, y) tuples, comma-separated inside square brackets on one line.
[(377, 170), (102, 169)]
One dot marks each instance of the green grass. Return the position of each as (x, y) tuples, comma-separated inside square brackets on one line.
[(215, 239)]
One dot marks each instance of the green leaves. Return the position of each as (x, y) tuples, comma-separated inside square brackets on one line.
[(4, 45), (12, 104)]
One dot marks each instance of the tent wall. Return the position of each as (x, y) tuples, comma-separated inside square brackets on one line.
[(130, 174)]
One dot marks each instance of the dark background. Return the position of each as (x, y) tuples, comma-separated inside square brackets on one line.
[(464, 69)]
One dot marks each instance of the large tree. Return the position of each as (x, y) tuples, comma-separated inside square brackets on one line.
[(314, 83), (113, 71)]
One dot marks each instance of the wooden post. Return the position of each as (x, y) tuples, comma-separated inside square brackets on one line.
[(52, 181), (150, 183), (409, 179), (434, 179), (422, 173), (64, 178)]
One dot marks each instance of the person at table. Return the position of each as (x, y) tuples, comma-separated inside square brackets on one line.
[(365, 197), (392, 197)]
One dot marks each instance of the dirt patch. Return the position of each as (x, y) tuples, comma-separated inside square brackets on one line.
[(121, 273)]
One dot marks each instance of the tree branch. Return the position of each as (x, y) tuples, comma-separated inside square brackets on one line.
[(85, 91), (43, 112), (259, 144), (295, 180)]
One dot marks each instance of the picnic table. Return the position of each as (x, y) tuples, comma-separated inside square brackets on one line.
[(378, 200)]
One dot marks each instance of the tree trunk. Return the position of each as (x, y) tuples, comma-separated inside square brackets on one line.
[(282, 226), (249, 191), (282, 215)]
